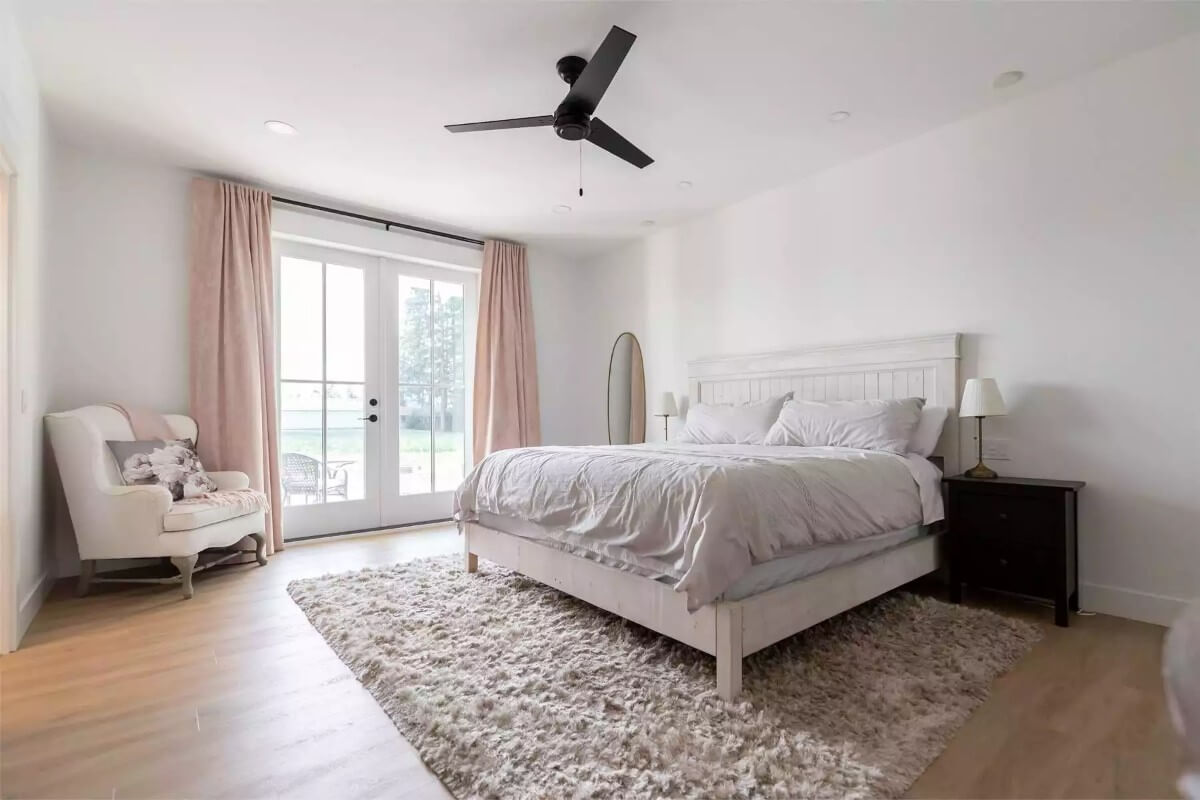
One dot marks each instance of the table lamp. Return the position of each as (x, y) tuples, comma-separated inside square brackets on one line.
[(981, 398), (667, 409)]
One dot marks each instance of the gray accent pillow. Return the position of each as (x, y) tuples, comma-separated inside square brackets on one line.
[(171, 464)]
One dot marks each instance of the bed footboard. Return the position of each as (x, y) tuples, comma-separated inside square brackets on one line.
[(729, 630)]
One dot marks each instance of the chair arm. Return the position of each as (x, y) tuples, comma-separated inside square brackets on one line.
[(120, 521), (229, 480)]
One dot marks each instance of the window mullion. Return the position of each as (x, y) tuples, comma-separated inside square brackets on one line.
[(432, 400)]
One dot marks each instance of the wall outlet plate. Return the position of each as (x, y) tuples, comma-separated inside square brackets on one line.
[(995, 449)]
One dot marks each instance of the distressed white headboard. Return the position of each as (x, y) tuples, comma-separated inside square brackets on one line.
[(925, 366)]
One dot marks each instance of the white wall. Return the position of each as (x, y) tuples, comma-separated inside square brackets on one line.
[(23, 137), (571, 387), (119, 283), (116, 330), (1060, 233)]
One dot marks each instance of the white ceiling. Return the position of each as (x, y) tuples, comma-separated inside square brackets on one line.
[(733, 97)]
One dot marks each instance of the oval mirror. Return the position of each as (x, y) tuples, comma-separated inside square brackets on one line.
[(626, 392)]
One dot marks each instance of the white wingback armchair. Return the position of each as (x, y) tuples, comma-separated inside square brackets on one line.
[(112, 520)]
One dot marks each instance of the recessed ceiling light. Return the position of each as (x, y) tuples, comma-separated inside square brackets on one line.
[(280, 127), (839, 116), (646, 223), (1007, 79), (561, 209), (685, 185)]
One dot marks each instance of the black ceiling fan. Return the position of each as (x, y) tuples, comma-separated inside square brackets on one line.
[(573, 119)]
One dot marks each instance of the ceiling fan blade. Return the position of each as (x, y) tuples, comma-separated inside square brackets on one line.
[(593, 82), (502, 124), (603, 136)]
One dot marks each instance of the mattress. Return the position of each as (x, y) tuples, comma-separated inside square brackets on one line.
[(703, 514), (759, 578)]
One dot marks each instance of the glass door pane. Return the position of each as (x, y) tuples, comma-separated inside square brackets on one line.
[(328, 314), (434, 323), (449, 375)]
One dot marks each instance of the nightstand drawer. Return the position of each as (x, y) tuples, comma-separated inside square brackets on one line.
[(1010, 567), (1007, 517)]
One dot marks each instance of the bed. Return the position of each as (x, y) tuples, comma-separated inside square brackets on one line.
[(739, 602)]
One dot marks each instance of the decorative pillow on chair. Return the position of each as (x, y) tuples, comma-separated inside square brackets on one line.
[(172, 464)]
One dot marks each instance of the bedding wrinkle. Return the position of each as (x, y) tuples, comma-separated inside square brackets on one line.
[(703, 515)]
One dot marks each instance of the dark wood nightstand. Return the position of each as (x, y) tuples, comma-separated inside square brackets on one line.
[(1016, 535)]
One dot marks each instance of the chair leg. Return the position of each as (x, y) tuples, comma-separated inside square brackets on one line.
[(87, 571), (260, 549), (185, 565)]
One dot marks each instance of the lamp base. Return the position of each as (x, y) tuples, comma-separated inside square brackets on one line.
[(982, 471)]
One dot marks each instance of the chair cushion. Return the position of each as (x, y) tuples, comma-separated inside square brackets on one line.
[(186, 515)]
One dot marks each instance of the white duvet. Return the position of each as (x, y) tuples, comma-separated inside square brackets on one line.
[(702, 514)]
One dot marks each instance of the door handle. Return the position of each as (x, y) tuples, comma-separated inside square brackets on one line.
[(372, 418)]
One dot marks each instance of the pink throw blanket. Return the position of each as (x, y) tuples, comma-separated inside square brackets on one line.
[(245, 500)]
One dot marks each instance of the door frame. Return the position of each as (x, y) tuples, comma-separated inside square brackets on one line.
[(356, 514), (296, 239), (427, 505), (10, 608)]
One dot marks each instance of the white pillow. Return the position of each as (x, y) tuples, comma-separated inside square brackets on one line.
[(744, 424), (929, 429), (869, 424)]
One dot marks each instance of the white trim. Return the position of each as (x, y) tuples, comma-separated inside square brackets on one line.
[(32, 603), (1156, 609), (314, 228), (11, 625), (370, 251)]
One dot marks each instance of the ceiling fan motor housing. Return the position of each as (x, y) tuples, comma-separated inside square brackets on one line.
[(572, 125)]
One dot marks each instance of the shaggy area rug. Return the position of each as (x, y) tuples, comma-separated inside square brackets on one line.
[(511, 689)]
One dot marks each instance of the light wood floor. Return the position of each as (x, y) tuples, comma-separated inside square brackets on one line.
[(135, 693)]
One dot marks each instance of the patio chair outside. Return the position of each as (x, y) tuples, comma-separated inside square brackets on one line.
[(302, 477)]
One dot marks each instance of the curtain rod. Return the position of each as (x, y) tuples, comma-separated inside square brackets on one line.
[(387, 224)]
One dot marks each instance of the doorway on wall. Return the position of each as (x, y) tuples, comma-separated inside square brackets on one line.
[(9, 601), (374, 357)]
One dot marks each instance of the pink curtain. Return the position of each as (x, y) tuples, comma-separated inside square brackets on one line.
[(233, 337), (506, 395)]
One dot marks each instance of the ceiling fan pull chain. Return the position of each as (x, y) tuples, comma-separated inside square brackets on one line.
[(581, 167)]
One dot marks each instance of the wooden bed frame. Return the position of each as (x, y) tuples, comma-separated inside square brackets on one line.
[(730, 630)]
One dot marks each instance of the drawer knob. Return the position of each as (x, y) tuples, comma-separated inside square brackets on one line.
[(1004, 562), (1003, 515)]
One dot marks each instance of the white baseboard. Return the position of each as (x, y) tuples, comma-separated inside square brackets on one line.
[(31, 603), (1145, 607)]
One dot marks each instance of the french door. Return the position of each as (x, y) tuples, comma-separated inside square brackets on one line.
[(373, 359)]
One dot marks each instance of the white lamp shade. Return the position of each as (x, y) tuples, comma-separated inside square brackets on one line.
[(667, 407), (981, 398)]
